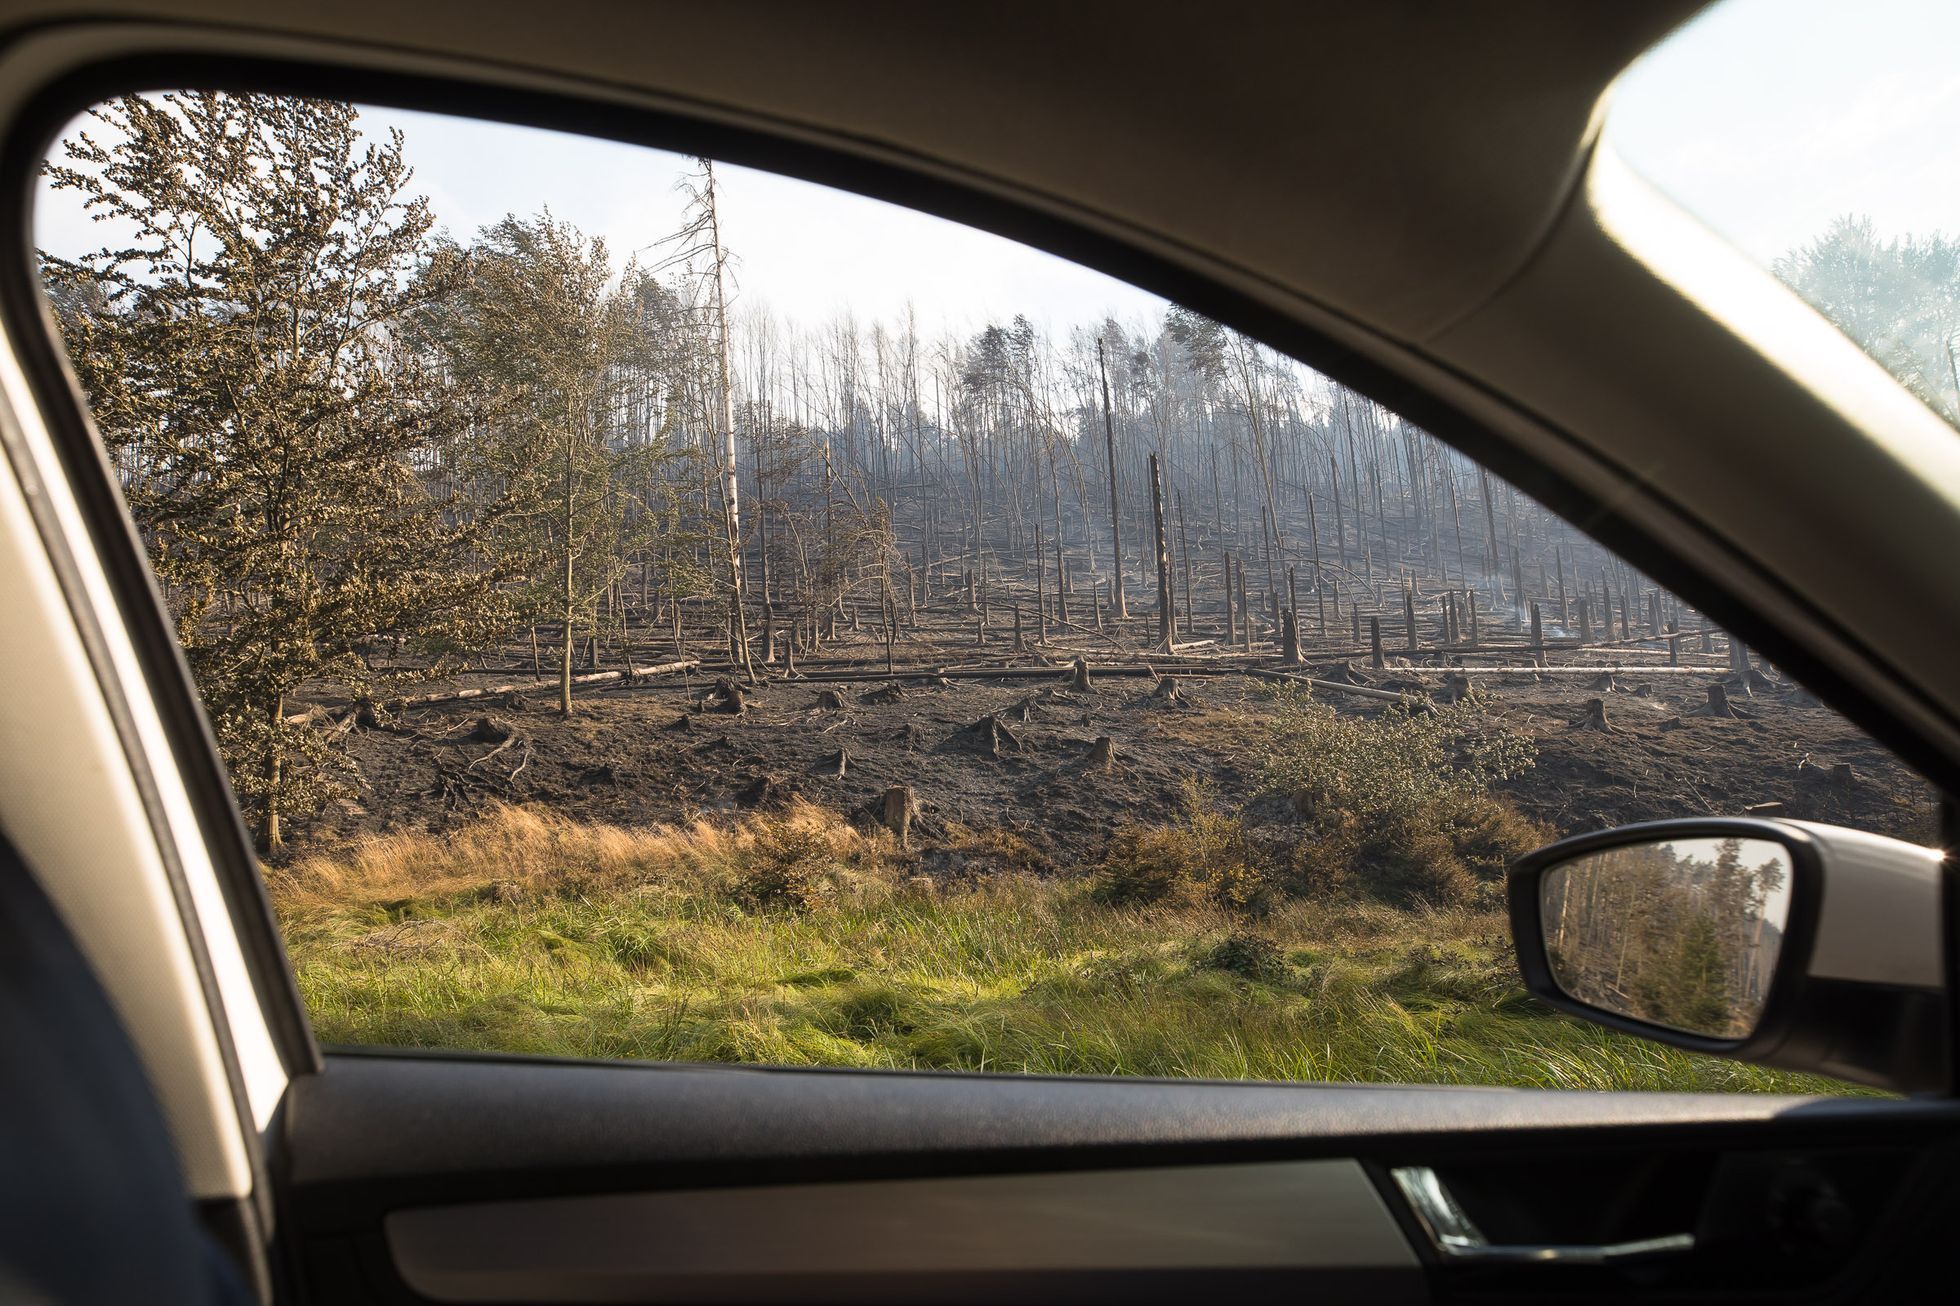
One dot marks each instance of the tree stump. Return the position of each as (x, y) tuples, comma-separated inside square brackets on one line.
[(1593, 717), (995, 737), (1167, 691), (830, 700), (837, 766), (1718, 704), (1079, 681), (763, 791), (1459, 688), (731, 697), (1348, 674), (882, 695), (1604, 683), (896, 810), (1102, 754)]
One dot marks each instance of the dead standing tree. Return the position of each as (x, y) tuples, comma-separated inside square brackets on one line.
[(1122, 608), (701, 235), (1166, 617)]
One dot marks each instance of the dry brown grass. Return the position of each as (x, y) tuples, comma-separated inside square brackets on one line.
[(1226, 728), (525, 851)]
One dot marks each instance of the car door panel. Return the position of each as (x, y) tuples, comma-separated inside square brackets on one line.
[(475, 1178)]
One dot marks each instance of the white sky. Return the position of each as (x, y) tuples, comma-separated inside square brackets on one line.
[(1767, 118), (1755, 854), (803, 251)]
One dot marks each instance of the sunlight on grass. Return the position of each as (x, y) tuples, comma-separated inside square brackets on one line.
[(528, 933)]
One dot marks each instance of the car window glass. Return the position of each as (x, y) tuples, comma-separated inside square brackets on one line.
[(656, 609), (1822, 141)]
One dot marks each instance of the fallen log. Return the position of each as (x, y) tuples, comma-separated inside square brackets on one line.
[(514, 687), (1590, 669), (990, 673), (1359, 691)]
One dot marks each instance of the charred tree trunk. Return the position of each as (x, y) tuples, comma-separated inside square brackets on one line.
[(1121, 607), (1166, 618)]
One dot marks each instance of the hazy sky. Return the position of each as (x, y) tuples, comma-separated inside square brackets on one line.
[(1767, 118), (803, 250)]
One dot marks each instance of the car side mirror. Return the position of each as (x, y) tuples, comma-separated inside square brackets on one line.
[(1783, 943)]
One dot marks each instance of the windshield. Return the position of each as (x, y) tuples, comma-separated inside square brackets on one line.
[(1822, 141)]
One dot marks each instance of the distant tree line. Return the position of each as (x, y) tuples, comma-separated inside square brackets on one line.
[(1652, 931), (362, 451), (1898, 298)]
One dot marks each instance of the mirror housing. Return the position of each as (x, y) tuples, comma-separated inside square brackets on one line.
[(1858, 989)]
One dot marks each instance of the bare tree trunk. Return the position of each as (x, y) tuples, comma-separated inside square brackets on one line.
[(1122, 608), (269, 833), (1490, 526), (1166, 620), (570, 597), (1184, 547), (730, 499)]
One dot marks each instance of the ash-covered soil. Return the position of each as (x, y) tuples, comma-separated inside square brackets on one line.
[(663, 752)]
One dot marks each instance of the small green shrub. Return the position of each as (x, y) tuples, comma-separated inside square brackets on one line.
[(1489, 834), (791, 871), (1142, 866), (1247, 955), (1410, 865), (1203, 859), (1397, 805), (1397, 764)]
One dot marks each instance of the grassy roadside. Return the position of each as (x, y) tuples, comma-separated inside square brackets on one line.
[(796, 939)]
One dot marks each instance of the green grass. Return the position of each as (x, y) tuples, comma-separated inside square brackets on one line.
[(528, 934)]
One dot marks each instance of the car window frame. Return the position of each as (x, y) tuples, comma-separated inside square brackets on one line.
[(1309, 336)]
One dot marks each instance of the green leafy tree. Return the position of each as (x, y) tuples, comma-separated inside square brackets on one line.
[(1899, 299), (1687, 986), (241, 350), (540, 330)]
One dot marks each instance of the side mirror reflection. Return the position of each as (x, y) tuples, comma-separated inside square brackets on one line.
[(1683, 933)]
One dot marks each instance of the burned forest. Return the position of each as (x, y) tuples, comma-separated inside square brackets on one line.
[(1044, 582), (568, 618)]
